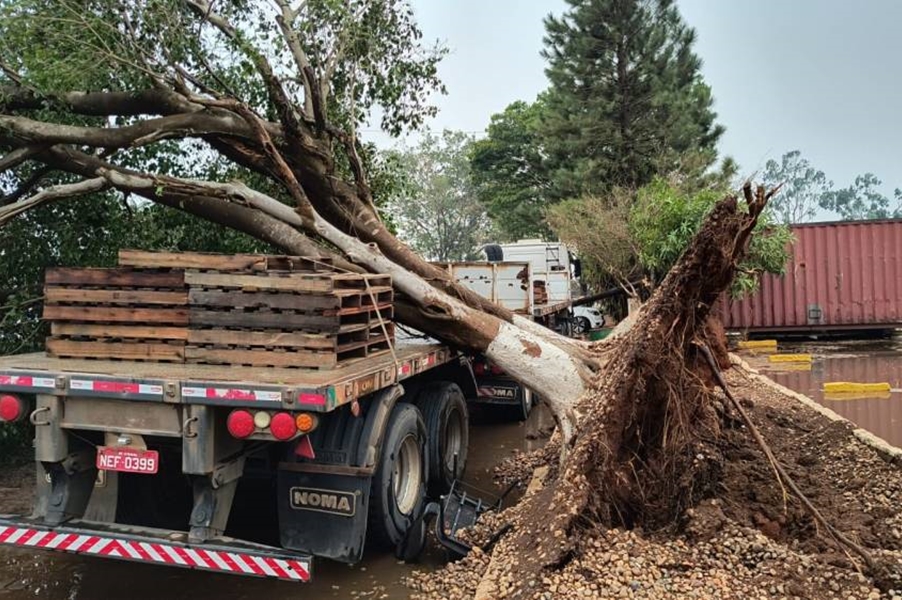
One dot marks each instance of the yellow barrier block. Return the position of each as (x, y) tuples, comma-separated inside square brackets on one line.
[(848, 387), (757, 344), (844, 396), (789, 366), (790, 358)]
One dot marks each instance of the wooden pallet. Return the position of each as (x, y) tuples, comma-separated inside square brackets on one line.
[(120, 313), (279, 327), (213, 309), (223, 262)]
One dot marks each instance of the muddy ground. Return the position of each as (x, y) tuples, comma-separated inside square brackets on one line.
[(750, 540)]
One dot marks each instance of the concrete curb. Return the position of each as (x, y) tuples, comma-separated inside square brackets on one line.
[(887, 451)]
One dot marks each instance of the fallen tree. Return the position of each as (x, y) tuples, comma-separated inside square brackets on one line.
[(636, 415)]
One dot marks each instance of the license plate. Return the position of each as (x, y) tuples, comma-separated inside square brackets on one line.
[(128, 460)]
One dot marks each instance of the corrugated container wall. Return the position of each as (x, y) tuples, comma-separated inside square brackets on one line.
[(841, 276)]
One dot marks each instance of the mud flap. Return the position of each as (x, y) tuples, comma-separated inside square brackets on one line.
[(323, 514)]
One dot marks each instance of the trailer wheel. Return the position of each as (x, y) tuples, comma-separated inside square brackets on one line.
[(444, 410), (399, 485)]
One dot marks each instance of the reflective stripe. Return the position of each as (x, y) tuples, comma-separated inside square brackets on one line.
[(16, 536), (56, 542), (27, 381), (275, 567), (115, 387), (158, 553), (37, 538), (152, 553), (247, 566), (262, 564), (240, 394)]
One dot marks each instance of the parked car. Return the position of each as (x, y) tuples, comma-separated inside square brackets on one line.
[(586, 318)]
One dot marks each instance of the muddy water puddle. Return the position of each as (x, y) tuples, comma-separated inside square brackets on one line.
[(56, 576), (850, 361)]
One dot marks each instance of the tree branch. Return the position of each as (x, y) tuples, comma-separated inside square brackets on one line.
[(56, 192), (286, 25), (17, 156), (210, 202), (285, 108), (26, 187), (160, 101), (145, 132)]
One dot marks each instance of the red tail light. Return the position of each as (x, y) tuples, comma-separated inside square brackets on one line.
[(11, 408), (479, 368), (496, 370), (282, 427), (240, 424)]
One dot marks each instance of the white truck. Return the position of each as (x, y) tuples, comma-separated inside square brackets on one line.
[(533, 278)]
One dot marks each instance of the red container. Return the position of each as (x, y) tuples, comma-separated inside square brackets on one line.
[(844, 275)]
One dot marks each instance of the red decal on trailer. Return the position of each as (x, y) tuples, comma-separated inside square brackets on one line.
[(28, 381), (314, 399), (242, 395), (230, 394), (116, 387)]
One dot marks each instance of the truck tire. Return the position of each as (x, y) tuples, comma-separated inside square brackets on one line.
[(398, 489), (447, 421)]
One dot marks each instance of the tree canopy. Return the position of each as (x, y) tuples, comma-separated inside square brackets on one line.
[(510, 172), (632, 235), (862, 200), (626, 103), (436, 209), (802, 190), (806, 194), (627, 100)]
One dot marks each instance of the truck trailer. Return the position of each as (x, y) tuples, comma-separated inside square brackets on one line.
[(142, 460)]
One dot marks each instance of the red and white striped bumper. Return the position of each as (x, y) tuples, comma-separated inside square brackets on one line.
[(220, 557)]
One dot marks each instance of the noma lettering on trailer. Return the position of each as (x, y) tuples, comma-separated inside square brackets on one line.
[(328, 501)]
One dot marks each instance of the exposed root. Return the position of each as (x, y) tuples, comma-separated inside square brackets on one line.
[(646, 447)]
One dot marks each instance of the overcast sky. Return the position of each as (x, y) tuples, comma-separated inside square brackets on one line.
[(821, 76)]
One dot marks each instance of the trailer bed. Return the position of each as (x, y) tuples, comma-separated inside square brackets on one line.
[(311, 389)]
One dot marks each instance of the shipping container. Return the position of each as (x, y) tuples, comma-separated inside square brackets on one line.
[(841, 276)]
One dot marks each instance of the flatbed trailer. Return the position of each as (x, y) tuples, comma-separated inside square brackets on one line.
[(347, 453)]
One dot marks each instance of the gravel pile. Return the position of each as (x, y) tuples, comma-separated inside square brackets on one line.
[(747, 543)]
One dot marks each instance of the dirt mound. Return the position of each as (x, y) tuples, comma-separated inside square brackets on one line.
[(748, 539)]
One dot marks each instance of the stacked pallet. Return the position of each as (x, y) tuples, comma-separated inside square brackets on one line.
[(214, 309), (136, 314), (287, 319)]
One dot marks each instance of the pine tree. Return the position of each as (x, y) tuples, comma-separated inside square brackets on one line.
[(627, 100)]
